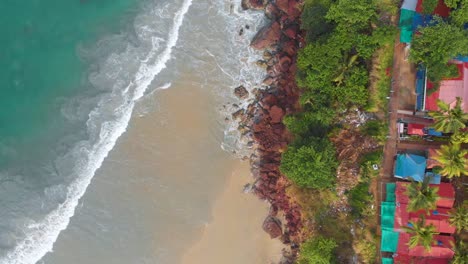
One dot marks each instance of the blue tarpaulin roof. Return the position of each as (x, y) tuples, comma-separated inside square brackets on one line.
[(435, 178), (432, 132), (421, 20), (410, 165)]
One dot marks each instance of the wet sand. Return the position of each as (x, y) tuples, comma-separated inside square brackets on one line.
[(235, 235)]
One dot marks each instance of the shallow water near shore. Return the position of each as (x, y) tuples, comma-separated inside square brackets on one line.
[(125, 162)]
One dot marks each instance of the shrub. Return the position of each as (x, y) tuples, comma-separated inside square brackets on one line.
[(312, 165), (317, 250)]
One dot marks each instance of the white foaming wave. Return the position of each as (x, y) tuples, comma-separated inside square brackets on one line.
[(42, 236)]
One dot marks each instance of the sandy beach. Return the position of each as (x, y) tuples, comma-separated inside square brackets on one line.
[(235, 235)]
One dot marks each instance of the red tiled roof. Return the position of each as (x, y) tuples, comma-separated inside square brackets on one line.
[(438, 219), (442, 247), (415, 129), (450, 89), (441, 9), (446, 194)]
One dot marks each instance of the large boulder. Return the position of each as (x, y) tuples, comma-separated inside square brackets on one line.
[(241, 92), (276, 114), (272, 226), (267, 37), (253, 4)]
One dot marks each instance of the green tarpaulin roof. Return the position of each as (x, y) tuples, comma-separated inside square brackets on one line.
[(390, 188), (387, 215), (406, 25), (389, 241), (387, 261)]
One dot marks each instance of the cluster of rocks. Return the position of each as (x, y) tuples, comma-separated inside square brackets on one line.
[(262, 120)]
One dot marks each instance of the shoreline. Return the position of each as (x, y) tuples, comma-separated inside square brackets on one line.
[(236, 218), (280, 40)]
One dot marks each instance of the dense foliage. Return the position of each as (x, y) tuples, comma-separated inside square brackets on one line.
[(452, 159), (421, 234), (449, 119), (318, 251), (312, 165), (333, 73), (429, 6), (459, 12), (421, 196), (436, 45)]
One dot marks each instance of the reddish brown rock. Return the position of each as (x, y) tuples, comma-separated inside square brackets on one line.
[(292, 31), (271, 11), (283, 5), (269, 81), (241, 92), (253, 4), (276, 114), (267, 37), (272, 226), (289, 47)]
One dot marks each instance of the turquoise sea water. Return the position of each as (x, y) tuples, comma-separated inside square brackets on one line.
[(72, 72), (40, 62)]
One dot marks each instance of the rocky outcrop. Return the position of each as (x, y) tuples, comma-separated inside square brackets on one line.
[(267, 37), (263, 118), (241, 92), (253, 4), (272, 226)]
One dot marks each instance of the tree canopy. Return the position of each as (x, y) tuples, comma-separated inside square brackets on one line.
[(436, 45), (318, 250), (453, 160), (421, 234), (313, 165), (421, 195), (449, 120)]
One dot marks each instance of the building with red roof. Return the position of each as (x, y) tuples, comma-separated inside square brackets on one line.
[(445, 191), (439, 218), (442, 248), (450, 89), (441, 10)]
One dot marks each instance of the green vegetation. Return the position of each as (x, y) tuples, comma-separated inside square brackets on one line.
[(346, 41), (461, 253), (318, 250), (421, 234), (359, 200), (449, 120), (452, 160), (459, 14), (311, 165), (421, 195), (459, 217), (436, 45), (429, 6)]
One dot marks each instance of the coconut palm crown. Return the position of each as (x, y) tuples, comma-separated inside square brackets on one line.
[(449, 120), (421, 234), (421, 195), (459, 217), (453, 160)]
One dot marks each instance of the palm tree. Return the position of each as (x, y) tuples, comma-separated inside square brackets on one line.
[(459, 217), (449, 120), (421, 234), (344, 69), (452, 160), (461, 253), (421, 195)]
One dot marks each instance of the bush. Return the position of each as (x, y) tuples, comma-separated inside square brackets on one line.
[(318, 250), (312, 165), (359, 200)]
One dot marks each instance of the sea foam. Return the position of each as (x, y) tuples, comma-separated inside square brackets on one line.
[(41, 235)]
